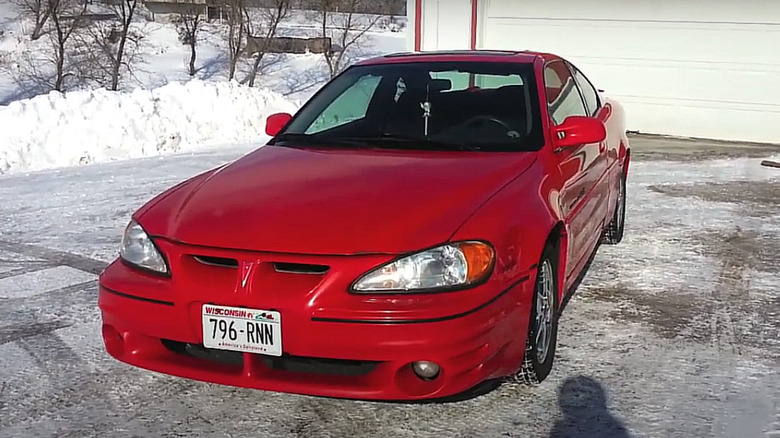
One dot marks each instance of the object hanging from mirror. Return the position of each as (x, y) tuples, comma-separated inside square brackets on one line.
[(426, 107)]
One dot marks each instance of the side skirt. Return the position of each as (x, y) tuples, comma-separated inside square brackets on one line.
[(577, 281)]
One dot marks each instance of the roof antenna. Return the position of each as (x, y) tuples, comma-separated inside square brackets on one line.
[(426, 107)]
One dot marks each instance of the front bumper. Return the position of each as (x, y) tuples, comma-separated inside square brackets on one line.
[(344, 357)]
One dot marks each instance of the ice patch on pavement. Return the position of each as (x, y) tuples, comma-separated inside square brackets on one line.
[(38, 282), (680, 254), (83, 127), (765, 283), (17, 382), (11, 261)]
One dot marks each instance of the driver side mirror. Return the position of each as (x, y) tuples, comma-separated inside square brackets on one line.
[(577, 131), (276, 122)]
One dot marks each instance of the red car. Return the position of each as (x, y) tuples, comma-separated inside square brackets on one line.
[(409, 234)]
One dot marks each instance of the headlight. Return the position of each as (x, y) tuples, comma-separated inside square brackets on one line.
[(139, 250), (451, 266)]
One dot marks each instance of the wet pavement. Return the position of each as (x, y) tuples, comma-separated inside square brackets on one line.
[(674, 332)]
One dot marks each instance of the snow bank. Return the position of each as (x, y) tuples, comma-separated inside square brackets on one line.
[(82, 127)]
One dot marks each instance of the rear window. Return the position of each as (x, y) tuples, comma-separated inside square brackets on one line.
[(463, 80)]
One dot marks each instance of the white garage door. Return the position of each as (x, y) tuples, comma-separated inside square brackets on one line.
[(446, 24), (681, 67)]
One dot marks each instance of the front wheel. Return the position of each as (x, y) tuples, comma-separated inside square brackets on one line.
[(543, 325), (613, 234)]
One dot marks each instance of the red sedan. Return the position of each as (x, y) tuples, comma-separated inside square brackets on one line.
[(409, 234)]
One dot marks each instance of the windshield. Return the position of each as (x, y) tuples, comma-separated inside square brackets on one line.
[(436, 105)]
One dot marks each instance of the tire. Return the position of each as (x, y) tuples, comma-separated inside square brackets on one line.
[(538, 358), (613, 234)]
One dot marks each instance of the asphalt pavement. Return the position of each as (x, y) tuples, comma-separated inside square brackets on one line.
[(672, 333)]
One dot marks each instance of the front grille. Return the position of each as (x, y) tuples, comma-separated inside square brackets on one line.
[(216, 261), (199, 351), (310, 365), (338, 367), (300, 268)]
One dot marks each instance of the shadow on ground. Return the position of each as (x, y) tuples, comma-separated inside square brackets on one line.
[(583, 403)]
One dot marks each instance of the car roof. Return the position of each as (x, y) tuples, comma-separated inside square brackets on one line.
[(460, 55)]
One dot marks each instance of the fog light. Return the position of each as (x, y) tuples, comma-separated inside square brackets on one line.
[(426, 370)]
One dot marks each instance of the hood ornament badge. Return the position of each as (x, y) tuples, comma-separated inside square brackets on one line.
[(246, 272)]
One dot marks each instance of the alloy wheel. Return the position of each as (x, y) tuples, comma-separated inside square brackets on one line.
[(545, 305)]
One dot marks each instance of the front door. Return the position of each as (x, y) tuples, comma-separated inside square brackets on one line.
[(582, 169)]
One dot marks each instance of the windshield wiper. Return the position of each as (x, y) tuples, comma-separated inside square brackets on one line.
[(383, 141), (313, 139), (300, 138), (410, 142)]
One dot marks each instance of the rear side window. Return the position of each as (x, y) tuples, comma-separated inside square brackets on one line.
[(589, 92), (563, 97)]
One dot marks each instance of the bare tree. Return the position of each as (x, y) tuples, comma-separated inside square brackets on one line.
[(107, 51), (191, 21), (31, 75), (304, 80), (237, 16), (263, 32), (49, 69), (66, 16), (106, 48), (38, 10), (339, 21), (124, 13)]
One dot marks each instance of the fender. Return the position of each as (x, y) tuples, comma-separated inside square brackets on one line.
[(517, 221)]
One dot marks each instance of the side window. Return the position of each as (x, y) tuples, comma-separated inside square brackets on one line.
[(350, 106), (588, 91), (563, 97)]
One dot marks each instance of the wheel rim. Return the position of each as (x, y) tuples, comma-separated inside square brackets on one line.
[(545, 299)]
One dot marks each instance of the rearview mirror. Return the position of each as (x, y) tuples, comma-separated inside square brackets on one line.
[(579, 130), (437, 85), (276, 122)]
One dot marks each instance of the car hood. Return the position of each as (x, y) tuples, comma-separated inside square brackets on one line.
[(333, 201)]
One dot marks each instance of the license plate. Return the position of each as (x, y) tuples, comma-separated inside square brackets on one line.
[(240, 329)]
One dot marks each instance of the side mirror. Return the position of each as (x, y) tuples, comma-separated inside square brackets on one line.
[(579, 130), (276, 122)]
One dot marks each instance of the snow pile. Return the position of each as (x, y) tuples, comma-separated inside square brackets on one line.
[(83, 127)]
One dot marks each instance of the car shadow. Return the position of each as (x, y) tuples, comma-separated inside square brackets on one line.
[(584, 412)]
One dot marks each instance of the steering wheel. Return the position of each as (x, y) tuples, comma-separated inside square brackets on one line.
[(483, 118)]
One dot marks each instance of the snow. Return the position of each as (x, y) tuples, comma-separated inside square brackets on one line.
[(83, 127), (160, 109)]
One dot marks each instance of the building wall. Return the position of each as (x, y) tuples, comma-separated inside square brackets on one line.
[(164, 11), (446, 24), (678, 68)]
